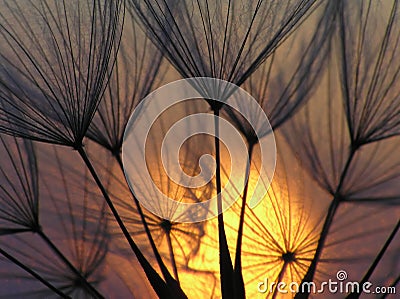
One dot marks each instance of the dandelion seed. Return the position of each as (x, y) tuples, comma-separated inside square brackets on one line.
[(55, 59), (334, 147), (224, 40), (176, 242), (55, 63)]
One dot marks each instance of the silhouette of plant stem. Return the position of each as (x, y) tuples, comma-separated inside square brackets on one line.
[(82, 279), (161, 264), (238, 255), (162, 288), (33, 273), (381, 253), (226, 267), (333, 208), (376, 261)]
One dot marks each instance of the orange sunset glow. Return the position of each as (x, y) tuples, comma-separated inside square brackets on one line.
[(221, 149)]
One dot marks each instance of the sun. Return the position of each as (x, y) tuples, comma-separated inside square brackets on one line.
[(279, 241)]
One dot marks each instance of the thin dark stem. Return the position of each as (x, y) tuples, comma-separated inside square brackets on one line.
[(333, 208), (381, 253), (239, 283), (172, 255), (376, 261), (164, 270), (83, 280), (33, 273), (225, 262), (163, 290)]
